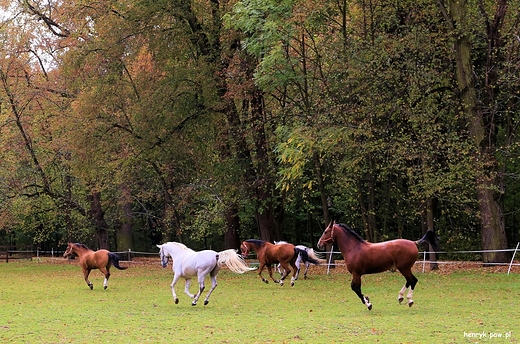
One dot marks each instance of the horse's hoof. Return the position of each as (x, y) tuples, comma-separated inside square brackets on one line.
[(91, 286), (105, 287), (410, 303), (265, 281), (206, 302), (292, 284), (369, 306), (194, 303), (176, 300), (400, 299)]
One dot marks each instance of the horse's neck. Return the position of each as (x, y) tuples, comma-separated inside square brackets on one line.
[(347, 243), (80, 251), (174, 250)]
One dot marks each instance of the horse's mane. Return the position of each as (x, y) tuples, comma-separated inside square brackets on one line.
[(351, 232), (180, 245), (256, 242), (82, 245)]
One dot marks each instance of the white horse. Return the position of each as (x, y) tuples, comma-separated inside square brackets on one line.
[(307, 259), (188, 264)]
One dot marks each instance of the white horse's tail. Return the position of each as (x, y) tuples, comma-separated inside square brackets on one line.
[(312, 254), (233, 261)]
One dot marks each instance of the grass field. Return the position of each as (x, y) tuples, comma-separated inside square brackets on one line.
[(48, 302)]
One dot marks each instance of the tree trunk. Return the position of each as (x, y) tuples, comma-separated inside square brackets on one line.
[(231, 236), (98, 217), (124, 233), (429, 225), (492, 224)]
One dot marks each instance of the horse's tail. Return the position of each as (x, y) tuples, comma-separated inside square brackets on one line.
[(306, 257), (428, 238), (233, 261), (114, 259), (312, 254)]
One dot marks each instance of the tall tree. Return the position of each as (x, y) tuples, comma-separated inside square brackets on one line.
[(481, 113)]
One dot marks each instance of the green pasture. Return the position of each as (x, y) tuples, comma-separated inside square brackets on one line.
[(46, 302)]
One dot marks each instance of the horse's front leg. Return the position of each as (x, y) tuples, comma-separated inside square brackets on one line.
[(356, 287), (175, 279), (270, 270), (260, 269), (187, 288), (86, 272)]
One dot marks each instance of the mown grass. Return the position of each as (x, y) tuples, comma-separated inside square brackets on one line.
[(50, 303)]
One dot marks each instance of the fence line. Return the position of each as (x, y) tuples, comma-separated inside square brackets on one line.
[(129, 254)]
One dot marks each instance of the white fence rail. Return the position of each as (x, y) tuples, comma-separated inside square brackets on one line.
[(128, 255)]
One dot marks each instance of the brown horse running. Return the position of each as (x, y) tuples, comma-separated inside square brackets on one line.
[(268, 254), (88, 260), (362, 257)]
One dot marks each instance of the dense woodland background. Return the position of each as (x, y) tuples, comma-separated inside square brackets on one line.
[(128, 123)]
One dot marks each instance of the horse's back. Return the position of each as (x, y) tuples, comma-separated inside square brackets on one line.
[(281, 253), (96, 259), (383, 256), (196, 262)]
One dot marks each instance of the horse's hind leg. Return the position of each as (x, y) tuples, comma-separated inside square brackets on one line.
[(213, 286), (201, 289), (411, 281), (306, 269), (86, 272), (356, 287), (296, 273), (105, 272)]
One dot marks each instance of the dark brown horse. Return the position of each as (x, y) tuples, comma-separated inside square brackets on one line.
[(268, 254), (88, 260), (362, 257)]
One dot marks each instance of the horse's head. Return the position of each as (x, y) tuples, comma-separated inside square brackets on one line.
[(69, 251), (164, 257), (327, 237), (244, 248)]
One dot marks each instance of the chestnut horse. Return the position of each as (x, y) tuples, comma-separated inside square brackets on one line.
[(89, 260), (362, 257), (268, 254)]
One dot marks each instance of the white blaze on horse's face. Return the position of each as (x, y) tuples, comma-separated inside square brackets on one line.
[(68, 251), (245, 250), (327, 237)]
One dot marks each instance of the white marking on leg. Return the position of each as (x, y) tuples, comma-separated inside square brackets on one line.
[(105, 283), (409, 297), (400, 298), (367, 302)]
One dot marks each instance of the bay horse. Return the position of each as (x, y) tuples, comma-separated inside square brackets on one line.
[(188, 264), (362, 257), (307, 257), (88, 260), (267, 253)]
